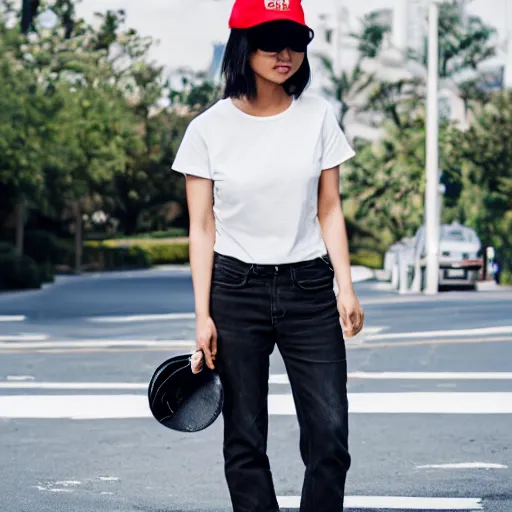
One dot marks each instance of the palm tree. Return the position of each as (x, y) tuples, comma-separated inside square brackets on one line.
[(344, 87)]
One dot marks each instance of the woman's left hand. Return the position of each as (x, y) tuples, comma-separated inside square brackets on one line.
[(351, 314)]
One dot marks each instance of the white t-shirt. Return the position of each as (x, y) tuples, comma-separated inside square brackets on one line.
[(265, 172)]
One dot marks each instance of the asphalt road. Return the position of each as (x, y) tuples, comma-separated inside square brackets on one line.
[(430, 390)]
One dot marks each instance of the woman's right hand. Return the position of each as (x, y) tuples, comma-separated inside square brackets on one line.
[(206, 340)]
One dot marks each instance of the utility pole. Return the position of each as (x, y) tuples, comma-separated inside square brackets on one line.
[(432, 199)]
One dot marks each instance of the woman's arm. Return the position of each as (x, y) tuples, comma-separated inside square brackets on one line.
[(332, 222), (201, 242)]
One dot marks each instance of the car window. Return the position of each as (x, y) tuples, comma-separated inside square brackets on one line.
[(453, 235)]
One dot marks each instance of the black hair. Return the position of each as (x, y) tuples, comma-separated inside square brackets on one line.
[(239, 76)]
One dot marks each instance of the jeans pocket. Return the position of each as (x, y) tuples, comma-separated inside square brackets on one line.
[(227, 276), (314, 278)]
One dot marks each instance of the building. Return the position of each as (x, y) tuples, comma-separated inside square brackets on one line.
[(402, 51), (215, 68)]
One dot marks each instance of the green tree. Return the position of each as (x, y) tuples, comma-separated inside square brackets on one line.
[(196, 93), (344, 87), (144, 182), (384, 182), (371, 36), (392, 100), (482, 158), (463, 44), (25, 111)]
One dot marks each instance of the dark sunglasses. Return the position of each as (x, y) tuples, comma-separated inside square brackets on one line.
[(274, 38)]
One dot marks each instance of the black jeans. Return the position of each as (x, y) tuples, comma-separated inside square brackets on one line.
[(294, 306)]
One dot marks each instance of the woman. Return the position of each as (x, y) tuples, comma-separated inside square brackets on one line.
[(267, 238)]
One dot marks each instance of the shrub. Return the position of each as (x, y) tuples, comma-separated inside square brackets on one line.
[(367, 259), (168, 253), (506, 277), (169, 233), (174, 232), (44, 247), (19, 273), (101, 257), (47, 272), (7, 248), (158, 253)]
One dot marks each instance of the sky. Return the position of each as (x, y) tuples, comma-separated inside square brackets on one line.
[(187, 29)]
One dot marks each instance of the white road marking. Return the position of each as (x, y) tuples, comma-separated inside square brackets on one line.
[(38, 342), (19, 378), (282, 378), (396, 503), (109, 478), (99, 344), (51, 489), (464, 465), (141, 318), (136, 406), (413, 403), (23, 337), (442, 334), (75, 386), (431, 375), (12, 318), (278, 378)]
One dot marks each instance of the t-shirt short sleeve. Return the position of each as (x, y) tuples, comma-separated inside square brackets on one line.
[(336, 148), (192, 157)]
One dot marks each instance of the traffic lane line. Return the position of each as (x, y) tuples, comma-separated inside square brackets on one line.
[(162, 347), (486, 331)]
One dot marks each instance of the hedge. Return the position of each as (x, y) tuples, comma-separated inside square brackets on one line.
[(49, 252), (19, 273), (102, 257), (367, 259), (7, 248), (158, 253), (169, 233)]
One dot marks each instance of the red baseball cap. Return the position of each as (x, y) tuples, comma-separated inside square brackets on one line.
[(249, 13)]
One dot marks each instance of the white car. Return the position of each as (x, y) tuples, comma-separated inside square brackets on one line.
[(460, 259)]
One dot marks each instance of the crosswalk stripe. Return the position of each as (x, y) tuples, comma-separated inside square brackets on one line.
[(464, 465), (486, 331), (136, 405), (282, 378), (396, 503), (412, 403), (24, 382), (141, 318), (21, 337), (12, 318)]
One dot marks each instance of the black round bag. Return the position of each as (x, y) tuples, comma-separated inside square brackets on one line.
[(184, 401)]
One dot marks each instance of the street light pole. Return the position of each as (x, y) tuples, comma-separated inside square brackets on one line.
[(432, 228)]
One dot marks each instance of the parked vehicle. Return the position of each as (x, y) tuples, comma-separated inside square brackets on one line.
[(460, 258)]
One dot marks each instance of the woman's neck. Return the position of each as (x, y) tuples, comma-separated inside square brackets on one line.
[(271, 99)]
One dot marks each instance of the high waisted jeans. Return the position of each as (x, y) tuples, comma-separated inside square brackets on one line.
[(294, 306)]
